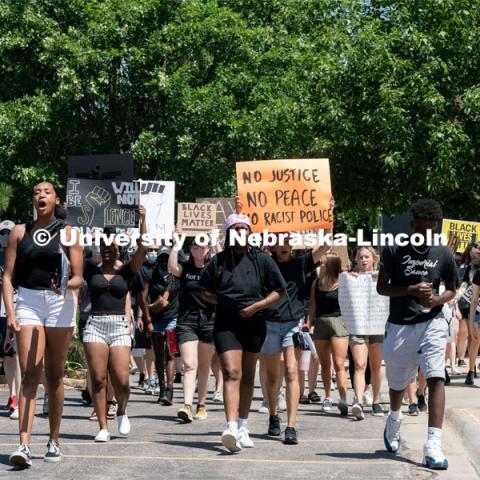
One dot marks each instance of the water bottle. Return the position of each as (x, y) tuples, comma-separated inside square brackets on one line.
[(172, 343), (425, 279), (305, 360)]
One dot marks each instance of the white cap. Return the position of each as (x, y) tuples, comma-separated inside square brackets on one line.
[(6, 225)]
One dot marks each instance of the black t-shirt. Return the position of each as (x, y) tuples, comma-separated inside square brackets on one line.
[(327, 303), (191, 299), (292, 306), (406, 266), (241, 280), (108, 296), (159, 281)]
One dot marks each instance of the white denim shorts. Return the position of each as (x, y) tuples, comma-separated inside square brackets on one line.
[(110, 330), (45, 308)]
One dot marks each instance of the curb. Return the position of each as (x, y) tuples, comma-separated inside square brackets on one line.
[(469, 431)]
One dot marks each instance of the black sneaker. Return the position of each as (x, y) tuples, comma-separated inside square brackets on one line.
[(274, 426), (413, 409), (377, 410), (161, 395), (86, 397), (141, 380), (167, 399), (422, 404), (21, 457), (447, 378), (304, 400), (290, 436), (314, 397), (178, 378), (461, 363), (53, 452), (469, 380)]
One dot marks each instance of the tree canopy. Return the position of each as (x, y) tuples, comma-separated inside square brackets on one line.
[(388, 90)]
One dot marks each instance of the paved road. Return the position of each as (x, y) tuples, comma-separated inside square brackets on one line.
[(331, 447)]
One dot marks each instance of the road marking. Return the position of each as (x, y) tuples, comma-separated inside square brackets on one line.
[(238, 459), (114, 442)]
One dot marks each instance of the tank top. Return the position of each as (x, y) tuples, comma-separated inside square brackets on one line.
[(35, 265), (327, 303)]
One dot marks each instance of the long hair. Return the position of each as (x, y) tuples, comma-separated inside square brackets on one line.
[(333, 269)]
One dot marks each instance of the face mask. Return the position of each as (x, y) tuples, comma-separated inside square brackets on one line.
[(151, 257)]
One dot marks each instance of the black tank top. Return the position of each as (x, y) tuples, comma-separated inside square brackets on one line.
[(327, 303), (35, 265)]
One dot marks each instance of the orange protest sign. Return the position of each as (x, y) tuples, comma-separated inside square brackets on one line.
[(281, 195)]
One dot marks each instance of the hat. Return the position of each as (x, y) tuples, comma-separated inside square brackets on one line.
[(235, 218), (6, 225), (164, 250)]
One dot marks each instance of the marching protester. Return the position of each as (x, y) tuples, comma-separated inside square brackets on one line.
[(416, 331), (161, 294), (7, 338), (474, 323), (329, 334), (282, 324), (107, 340), (366, 348), (194, 329), (243, 282), (45, 314)]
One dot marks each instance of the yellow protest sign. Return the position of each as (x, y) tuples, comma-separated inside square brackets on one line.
[(283, 195), (467, 231)]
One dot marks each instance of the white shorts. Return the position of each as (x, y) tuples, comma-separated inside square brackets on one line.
[(110, 330), (45, 308), (406, 347)]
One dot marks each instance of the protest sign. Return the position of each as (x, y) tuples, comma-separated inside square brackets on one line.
[(195, 218), (101, 167), (467, 231), (467, 296), (224, 207), (158, 198), (281, 195), (364, 311), (102, 203)]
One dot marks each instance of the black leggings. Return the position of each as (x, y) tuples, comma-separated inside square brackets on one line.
[(351, 369)]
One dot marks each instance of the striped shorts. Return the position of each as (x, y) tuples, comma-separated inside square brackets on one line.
[(110, 330)]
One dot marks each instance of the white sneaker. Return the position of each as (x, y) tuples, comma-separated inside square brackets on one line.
[(103, 435), (123, 424), (14, 414), (367, 398), (433, 456), (357, 412), (152, 387), (327, 405), (264, 407), (21, 457), (244, 438), (391, 434), (217, 396), (230, 440), (282, 403)]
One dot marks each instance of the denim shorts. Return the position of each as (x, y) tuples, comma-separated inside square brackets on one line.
[(160, 327), (279, 336)]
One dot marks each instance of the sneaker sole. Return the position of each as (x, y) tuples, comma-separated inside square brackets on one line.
[(203, 417), (165, 402), (52, 459), (19, 461), (102, 440), (230, 443), (290, 442), (382, 414), (414, 414), (358, 413), (184, 417)]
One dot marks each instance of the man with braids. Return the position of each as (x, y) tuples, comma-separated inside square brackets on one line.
[(416, 331), (243, 283)]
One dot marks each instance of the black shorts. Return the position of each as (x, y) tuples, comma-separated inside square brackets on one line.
[(3, 334), (232, 332), (82, 323), (195, 326), (141, 339)]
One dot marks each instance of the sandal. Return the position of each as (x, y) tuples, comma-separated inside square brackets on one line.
[(93, 417), (112, 410)]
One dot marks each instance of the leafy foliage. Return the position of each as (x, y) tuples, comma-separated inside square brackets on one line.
[(388, 90)]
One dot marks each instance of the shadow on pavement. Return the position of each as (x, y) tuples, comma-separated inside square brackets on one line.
[(377, 455), (200, 445)]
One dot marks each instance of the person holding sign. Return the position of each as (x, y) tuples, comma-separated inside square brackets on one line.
[(106, 339), (194, 329), (330, 335), (243, 283), (48, 279), (366, 348), (416, 331)]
